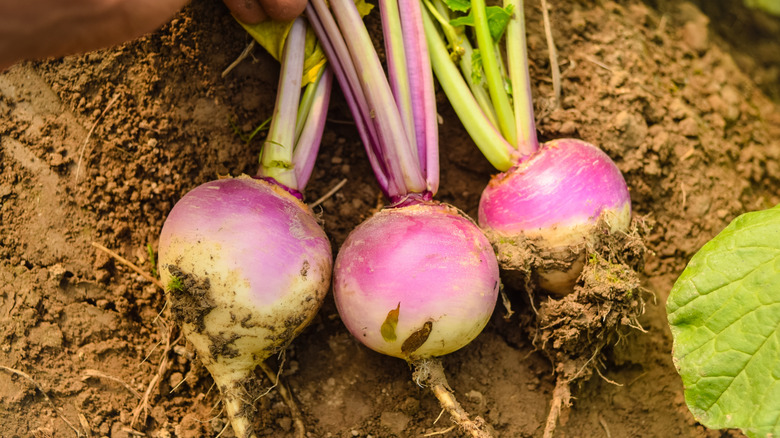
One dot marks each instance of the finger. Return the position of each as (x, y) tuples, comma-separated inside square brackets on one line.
[(283, 10), (247, 11)]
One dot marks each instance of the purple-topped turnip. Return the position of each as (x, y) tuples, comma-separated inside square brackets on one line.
[(418, 279), (555, 198), (559, 213), (245, 263), (549, 198)]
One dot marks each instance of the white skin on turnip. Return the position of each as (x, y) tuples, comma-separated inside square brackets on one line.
[(241, 295)]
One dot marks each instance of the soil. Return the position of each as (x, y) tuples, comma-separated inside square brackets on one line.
[(98, 147)]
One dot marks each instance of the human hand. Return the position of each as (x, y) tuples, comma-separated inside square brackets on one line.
[(255, 11), (34, 29)]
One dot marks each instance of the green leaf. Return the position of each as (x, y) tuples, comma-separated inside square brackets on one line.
[(272, 35), (724, 313), (476, 66), (768, 6), (458, 5), (390, 324), (498, 18)]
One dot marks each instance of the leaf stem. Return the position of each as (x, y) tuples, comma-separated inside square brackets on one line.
[(517, 60), (463, 52), (484, 133), (422, 92), (308, 142), (340, 60), (276, 159), (493, 76), (393, 149)]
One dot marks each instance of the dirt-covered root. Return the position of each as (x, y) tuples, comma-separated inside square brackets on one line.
[(574, 330), (524, 259), (561, 399), (430, 373), (239, 410)]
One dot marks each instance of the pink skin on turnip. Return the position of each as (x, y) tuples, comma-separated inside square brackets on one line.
[(246, 266), (552, 204), (417, 281)]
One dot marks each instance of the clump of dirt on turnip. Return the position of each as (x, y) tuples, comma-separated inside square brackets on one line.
[(574, 330)]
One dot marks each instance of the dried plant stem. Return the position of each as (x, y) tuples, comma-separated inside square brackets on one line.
[(244, 54), (295, 413), (95, 373), (91, 130), (129, 264), (429, 372), (45, 395), (143, 405), (330, 193), (554, 67)]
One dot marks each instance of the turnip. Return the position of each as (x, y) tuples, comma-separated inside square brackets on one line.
[(555, 199), (418, 279), (552, 195), (559, 213), (245, 263)]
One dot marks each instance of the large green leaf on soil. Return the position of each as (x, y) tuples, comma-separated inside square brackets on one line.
[(724, 313)]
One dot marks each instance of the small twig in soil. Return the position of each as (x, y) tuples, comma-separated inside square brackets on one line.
[(440, 432), (295, 413), (149, 354), (598, 63), (556, 70), (431, 373), (88, 374), (91, 130), (330, 193), (85, 425), (177, 385), (605, 378), (241, 57), (129, 264), (132, 432), (604, 425), (45, 395), (143, 405)]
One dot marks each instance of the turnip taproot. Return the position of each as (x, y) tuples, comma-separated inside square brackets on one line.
[(245, 263), (418, 279)]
